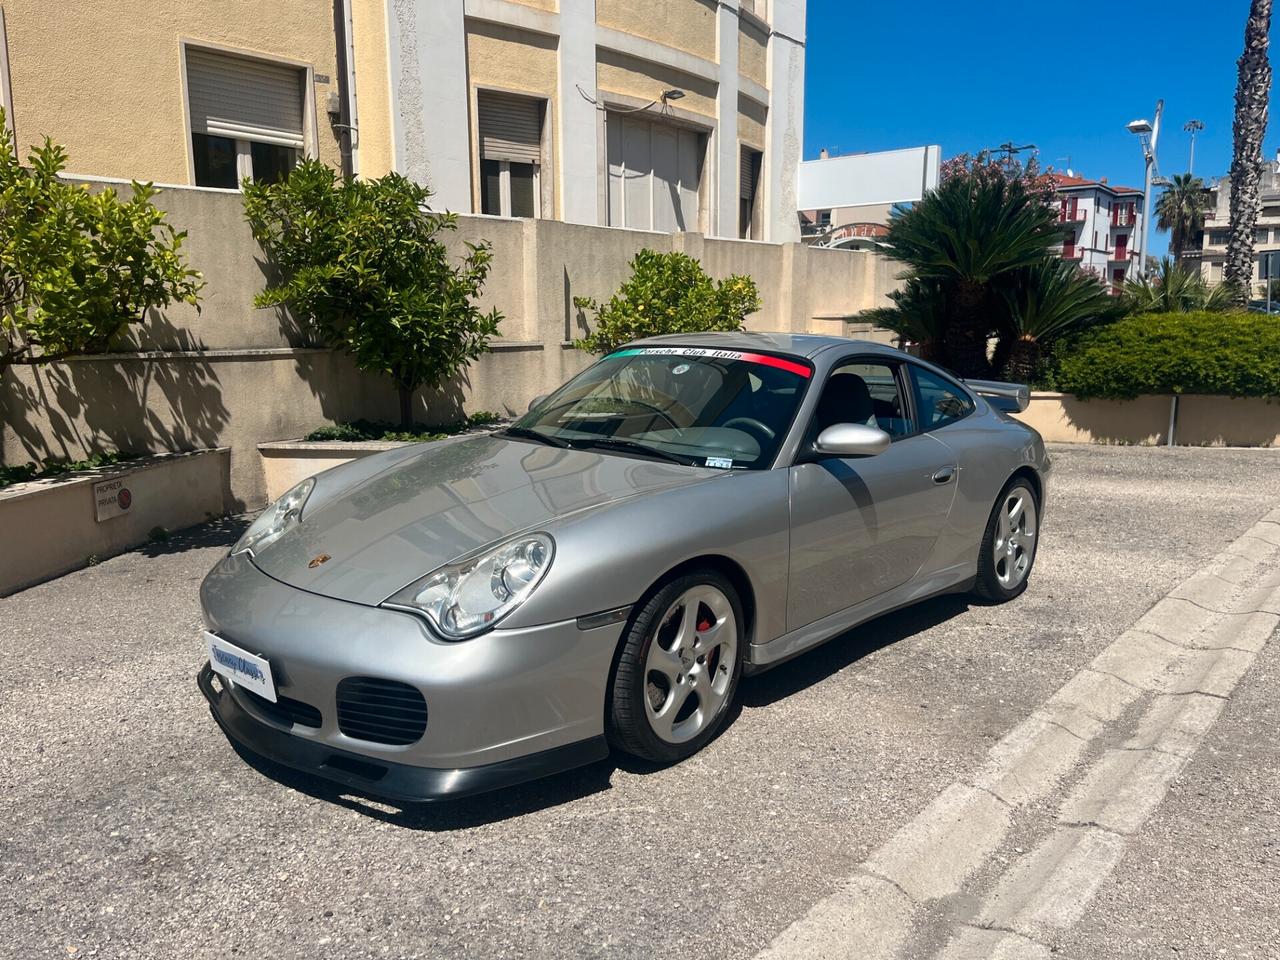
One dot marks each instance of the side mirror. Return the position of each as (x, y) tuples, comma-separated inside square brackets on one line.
[(852, 440), (538, 399)]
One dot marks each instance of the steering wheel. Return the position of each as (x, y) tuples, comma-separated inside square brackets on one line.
[(752, 425)]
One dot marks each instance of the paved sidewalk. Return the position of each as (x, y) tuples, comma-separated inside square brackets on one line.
[(129, 828)]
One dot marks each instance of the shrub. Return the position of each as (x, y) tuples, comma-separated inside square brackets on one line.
[(362, 263), (1226, 354), (667, 293), (358, 431), (21, 473), (77, 267)]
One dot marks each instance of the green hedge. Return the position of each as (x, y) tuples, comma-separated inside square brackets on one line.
[(1223, 354)]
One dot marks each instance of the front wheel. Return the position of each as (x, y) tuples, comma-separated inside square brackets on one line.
[(1009, 544), (678, 669)]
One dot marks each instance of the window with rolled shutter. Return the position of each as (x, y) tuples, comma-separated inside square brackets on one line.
[(244, 99), (748, 181), (510, 127)]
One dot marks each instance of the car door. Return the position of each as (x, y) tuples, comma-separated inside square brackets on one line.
[(863, 525)]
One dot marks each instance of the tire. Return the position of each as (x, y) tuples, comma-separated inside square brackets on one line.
[(1002, 572), (676, 672)]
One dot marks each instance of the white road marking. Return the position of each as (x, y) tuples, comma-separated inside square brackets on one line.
[(1182, 659)]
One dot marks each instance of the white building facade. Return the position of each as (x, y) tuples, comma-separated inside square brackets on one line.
[(1102, 226), (846, 201), (668, 115)]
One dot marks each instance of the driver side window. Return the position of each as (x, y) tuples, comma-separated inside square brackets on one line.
[(867, 393)]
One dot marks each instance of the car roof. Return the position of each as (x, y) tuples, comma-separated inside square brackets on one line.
[(796, 344)]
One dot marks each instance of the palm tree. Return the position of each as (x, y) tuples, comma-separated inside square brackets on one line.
[(917, 317), (1253, 87), (1045, 301), (1175, 289), (963, 237), (1181, 209)]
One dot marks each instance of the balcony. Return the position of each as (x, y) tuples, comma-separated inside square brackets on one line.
[(1073, 216), (1073, 253), (1126, 221), (1121, 256)]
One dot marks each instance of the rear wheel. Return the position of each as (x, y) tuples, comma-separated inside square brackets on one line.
[(1008, 548), (678, 669)]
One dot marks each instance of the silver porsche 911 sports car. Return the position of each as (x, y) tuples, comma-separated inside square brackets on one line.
[(452, 617)]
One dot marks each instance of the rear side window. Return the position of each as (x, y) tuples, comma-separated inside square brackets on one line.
[(940, 401)]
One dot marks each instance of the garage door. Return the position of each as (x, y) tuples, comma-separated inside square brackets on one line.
[(654, 171)]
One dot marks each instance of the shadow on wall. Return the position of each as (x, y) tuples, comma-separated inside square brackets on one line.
[(85, 406)]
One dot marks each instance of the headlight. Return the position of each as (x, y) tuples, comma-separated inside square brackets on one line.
[(275, 521), (467, 598)]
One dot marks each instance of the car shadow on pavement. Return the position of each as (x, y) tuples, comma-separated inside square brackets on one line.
[(849, 647), (761, 691)]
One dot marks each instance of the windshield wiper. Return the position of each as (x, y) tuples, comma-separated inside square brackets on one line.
[(537, 436), (631, 446)]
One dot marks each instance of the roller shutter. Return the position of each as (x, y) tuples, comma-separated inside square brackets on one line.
[(510, 127), (245, 99), (748, 173)]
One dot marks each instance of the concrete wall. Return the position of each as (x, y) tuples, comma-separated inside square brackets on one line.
[(1201, 420), (51, 526), (106, 80), (235, 376)]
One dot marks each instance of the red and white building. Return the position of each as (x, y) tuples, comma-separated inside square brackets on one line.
[(1101, 225)]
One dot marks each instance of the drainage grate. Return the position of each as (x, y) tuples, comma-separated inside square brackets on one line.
[(381, 711)]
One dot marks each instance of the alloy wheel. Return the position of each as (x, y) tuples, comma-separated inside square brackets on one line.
[(688, 669), (1015, 541)]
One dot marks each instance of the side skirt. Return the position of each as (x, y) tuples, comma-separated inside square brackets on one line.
[(762, 656)]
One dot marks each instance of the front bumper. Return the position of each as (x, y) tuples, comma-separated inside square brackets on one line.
[(502, 708), (383, 778)]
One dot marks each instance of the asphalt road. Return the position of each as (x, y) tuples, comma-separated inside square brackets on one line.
[(130, 828)]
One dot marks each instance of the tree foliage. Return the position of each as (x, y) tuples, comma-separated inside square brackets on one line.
[(1181, 209), (77, 267), (963, 244), (1175, 289), (1045, 302), (1227, 354), (667, 293), (362, 264)]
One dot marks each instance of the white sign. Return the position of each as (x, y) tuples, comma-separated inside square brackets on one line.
[(241, 666), (112, 498)]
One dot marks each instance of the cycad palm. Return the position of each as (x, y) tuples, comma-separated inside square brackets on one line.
[(1045, 301), (1181, 209), (917, 315), (964, 236)]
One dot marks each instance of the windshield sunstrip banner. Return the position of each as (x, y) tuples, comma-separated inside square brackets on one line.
[(763, 359)]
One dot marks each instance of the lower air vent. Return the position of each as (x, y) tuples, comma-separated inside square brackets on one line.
[(284, 711), (381, 711)]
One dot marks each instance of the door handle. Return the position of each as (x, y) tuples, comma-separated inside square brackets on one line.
[(944, 475)]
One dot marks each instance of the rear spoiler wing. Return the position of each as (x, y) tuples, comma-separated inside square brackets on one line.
[(1009, 397)]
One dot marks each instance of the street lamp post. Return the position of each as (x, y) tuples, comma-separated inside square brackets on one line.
[(1148, 134)]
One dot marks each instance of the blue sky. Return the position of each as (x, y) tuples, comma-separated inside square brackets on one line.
[(973, 75)]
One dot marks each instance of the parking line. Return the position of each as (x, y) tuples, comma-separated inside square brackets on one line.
[(1182, 659)]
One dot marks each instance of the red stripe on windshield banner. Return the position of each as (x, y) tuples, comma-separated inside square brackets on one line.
[(763, 359)]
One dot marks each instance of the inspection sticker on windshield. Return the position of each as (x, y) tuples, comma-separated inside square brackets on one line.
[(724, 463), (761, 358)]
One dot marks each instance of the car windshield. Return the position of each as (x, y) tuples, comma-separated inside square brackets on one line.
[(695, 405)]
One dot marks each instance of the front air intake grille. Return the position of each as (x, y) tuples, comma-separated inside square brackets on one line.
[(381, 711), (284, 711)]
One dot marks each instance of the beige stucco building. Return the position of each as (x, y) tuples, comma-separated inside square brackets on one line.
[(665, 115), (1266, 236)]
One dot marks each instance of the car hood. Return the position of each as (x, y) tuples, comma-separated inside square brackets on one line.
[(391, 527)]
